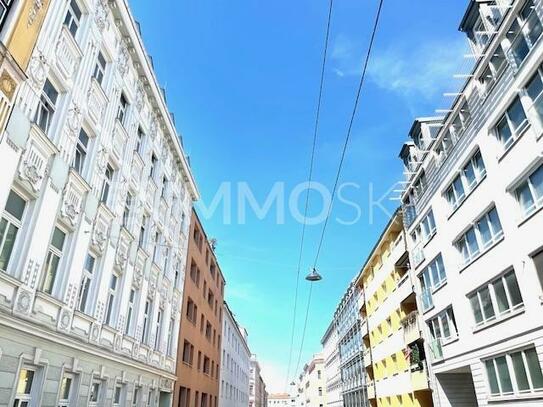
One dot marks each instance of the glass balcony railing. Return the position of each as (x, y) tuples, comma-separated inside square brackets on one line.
[(436, 349)]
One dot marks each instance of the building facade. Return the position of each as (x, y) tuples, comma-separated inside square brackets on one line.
[(200, 333), (258, 396), (472, 213), (96, 197), (279, 400), (330, 354), (351, 357), (394, 358), (312, 384), (235, 363)]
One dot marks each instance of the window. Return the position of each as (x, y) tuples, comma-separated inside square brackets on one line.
[(127, 208), (130, 312), (495, 68), (73, 17), (421, 234), (65, 392), (534, 89), (434, 275), (158, 245), (443, 326), (188, 352), (81, 149), (146, 316), (136, 396), (95, 396), (139, 141), (192, 311), (99, 68), (470, 176), (46, 106), (480, 237), (53, 259), (158, 329), (496, 299), (10, 224), (461, 121), (524, 32), (514, 373), (511, 124), (208, 330), (86, 282), (141, 242), (154, 162), (123, 108), (164, 187), (24, 393), (479, 35), (206, 366), (111, 296), (195, 274), (106, 185), (171, 327), (118, 396), (529, 194)]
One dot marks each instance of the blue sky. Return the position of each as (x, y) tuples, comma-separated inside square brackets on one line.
[(242, 80)]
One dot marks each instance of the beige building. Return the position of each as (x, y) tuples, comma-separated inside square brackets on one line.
[(312, 384)]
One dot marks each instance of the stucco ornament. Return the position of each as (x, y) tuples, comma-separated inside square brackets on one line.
[(34, 11), (38, 69), (23, 302), (138, 277), (7, 85), (140, 96), (74, 119), (64, 319), (123, 58), (100, 14)]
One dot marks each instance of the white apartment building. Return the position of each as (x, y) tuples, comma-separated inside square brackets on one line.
[(332, 374), (235, 363), (96, 195), (280, 400), (258, 396), (472, 209), (312, 384)]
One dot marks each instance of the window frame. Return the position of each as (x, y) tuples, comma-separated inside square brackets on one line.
[(11, 221), (52, 250)]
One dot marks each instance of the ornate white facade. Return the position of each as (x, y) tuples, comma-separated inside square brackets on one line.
[(96, 195), (235, 363)]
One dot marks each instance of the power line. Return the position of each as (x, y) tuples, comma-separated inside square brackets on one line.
[(310, 178), (347, 137), (349, 130)]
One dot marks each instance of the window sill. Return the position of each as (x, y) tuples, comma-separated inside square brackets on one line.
[(502, 318), (481, 254), (516, 397), (466, 196), (452, 339), (530, 215)]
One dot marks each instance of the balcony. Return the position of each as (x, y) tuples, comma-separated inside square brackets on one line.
[(68, 55), (436, 349), (419, 379), (411, 327), (426, 299), (96, 104), (371, 389)]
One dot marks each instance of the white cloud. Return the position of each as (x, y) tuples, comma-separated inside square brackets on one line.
[(411, 70)]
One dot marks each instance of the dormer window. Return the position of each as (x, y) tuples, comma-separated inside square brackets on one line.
[(73, 17)]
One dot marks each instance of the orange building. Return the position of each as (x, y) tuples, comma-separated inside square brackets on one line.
[(198, 354)]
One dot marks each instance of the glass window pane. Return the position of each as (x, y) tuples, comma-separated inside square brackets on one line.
[(469, 173), (488, 308), (520, 371), (472, 242), (476, 307), (516, 114), (492, 377), (65, 388), (503, 375), (15, 205), (9, 242), (495, 222), (535, 368), (58, 239), (484, 231), (534, 87), (514, 290), (445, 324), (504, 132), (501, 296), (524, 197), (537, 182), (24, 384)]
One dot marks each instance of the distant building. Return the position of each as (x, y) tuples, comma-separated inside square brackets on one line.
[(312, 384), (199, 352), (332, 373), (258, 396), (394, 355), (235, 363), (280, 400)]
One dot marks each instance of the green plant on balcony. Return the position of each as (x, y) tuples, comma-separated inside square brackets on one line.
[(415, 359)]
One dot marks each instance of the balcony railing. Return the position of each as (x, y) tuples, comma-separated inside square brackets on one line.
[(411, 327), (68, 54), (427, 300)]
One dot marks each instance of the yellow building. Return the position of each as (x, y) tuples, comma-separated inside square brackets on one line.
[(394, 357), (20, 24)]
